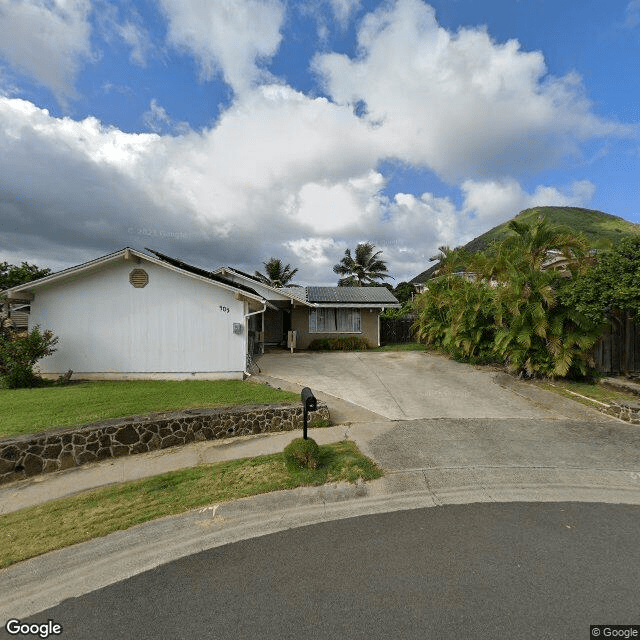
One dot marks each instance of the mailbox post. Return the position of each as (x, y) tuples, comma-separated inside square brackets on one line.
[(309, 403)]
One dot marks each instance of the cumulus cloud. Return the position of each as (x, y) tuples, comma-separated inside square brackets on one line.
[(47, 40), (286, 174), (459, 103), (490, 203), (225, 37)]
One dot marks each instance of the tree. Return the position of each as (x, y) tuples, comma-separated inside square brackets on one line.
[(277, 275), (404, 292), (18, 354), (535, 240), (611, 284), (506, 306), (12, 275), (362, 269)]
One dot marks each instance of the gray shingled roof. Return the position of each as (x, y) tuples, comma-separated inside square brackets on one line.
[(346, 295)]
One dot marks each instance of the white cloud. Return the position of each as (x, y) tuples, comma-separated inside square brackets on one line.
[(138, 40), (490, 203), (226, 36), (156, 118), (460, 104), (632, 14), (343, 10), (281, 174), (47, 40)]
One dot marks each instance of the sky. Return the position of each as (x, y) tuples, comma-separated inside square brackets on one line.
[(226, 132)]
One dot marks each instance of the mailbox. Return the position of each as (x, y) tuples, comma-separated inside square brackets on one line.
[(309, 403), (309, 400)]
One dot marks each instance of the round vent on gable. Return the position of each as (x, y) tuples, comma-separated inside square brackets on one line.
[(139, 278)]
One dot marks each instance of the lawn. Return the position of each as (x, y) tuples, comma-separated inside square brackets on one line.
[(42, 408), (586, 393), (36, 530), (404, 346)]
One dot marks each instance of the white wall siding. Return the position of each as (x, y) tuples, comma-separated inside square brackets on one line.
[(175, 324)]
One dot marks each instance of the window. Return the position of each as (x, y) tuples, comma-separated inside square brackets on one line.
[(334, 320)]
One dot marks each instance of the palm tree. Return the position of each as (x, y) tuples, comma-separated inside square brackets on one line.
[(362, 269), (535, 240), (277, 275)]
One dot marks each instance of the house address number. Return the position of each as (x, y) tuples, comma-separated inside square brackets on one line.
[(225, 309)]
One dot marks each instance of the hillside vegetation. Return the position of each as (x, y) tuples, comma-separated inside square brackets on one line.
[(601, 230)]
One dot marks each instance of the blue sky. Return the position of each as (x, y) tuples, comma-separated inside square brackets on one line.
[(227, 132)]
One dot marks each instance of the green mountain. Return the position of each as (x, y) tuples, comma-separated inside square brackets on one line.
[(602, 230)]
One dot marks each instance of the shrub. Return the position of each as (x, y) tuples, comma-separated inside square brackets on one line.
[(506, 306), (320, 344), (339, 343), (302, 453), (18, 354)]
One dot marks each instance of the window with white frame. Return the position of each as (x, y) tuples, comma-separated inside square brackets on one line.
[(334, 320)]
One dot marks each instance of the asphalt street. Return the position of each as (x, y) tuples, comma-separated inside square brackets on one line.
[(525, 570)]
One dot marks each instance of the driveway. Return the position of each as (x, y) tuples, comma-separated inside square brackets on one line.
[(409, 385), (464, 433)]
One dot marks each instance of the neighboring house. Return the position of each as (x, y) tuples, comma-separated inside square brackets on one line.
[(131, 315)]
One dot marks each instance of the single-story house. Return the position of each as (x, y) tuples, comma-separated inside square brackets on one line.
[(316, 312), (131, 314)]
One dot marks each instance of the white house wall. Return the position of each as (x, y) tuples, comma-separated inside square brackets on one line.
[(174, 325)]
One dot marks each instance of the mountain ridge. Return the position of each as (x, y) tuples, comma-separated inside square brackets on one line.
[(601, 229)]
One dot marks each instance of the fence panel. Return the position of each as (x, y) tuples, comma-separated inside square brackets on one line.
[(396, 330), (618, 351)]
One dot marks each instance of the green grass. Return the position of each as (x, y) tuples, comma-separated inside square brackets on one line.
[(42, 408), (37, 530), (405, 346), (596, 392)]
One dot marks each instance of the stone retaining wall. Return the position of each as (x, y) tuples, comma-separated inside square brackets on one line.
[(629, 411), (33, 454)]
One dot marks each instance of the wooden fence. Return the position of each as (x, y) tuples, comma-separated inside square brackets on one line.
[(618, 351), (396, 330)]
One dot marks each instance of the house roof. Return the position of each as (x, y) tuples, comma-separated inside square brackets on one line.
[(24, 291), (202, 272), (351, 295), (292, 292), (325, 296)]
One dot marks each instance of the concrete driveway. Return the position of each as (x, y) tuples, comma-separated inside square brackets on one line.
[(409, 385), (464, 433)]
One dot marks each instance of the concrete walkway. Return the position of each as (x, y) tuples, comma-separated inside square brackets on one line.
[(505, 442)]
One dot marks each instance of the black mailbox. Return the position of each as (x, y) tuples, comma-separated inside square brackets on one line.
[(309, 400), (309, 403)]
